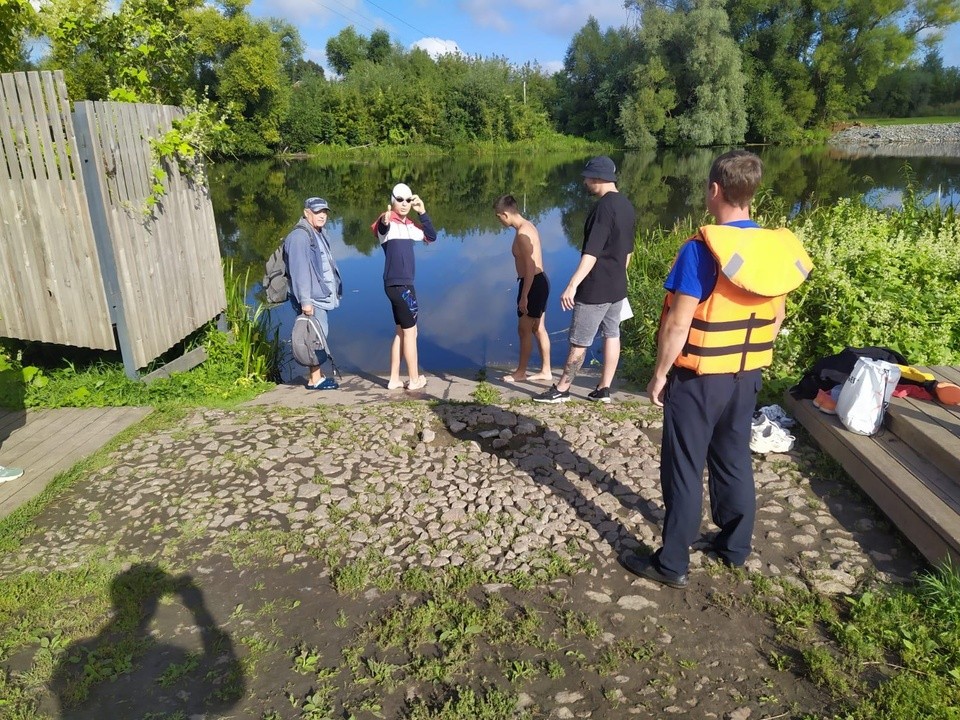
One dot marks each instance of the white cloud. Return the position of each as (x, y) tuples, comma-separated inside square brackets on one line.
[(435, 47), (484, 14), (303, 14), (562, 19), (552, 66)]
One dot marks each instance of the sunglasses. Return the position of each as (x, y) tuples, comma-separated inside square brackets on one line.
[(403, 200)]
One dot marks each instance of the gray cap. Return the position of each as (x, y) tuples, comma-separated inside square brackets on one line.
[(316, 204), (601, 168)]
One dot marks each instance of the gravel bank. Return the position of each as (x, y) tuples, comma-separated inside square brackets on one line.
[(932, 140), (879, 135)]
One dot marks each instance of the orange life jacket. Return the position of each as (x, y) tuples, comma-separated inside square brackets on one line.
[(733, 328)]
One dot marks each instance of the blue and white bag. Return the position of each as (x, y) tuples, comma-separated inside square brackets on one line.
[(865, 395)]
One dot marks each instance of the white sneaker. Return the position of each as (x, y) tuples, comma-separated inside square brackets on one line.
[(9, 473), (767, 437), (778, 415)]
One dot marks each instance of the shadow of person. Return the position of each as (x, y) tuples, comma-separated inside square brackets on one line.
[(12, 394), (126, 672), (592, 492)]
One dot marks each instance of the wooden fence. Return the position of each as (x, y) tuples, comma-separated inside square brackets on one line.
[(99, 257), (50, 288)]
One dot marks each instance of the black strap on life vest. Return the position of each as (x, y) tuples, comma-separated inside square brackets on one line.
[(743, 349)]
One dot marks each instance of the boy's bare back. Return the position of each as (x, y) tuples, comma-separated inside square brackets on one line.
[(526, 249)]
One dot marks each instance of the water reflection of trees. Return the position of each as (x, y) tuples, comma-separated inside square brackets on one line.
[(257, 202)]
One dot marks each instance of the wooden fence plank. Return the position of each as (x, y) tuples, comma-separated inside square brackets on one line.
[(12, 320), (31, 281), (49, 252)]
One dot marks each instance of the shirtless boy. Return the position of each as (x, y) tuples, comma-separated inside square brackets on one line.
[(534, 289)]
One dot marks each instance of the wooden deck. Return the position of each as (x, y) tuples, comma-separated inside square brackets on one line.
[(47, 442), (911, 468)]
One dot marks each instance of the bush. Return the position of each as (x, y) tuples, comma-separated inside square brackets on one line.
[(881, 277)]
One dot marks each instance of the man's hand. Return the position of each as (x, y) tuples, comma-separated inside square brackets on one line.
[(308, 309), (417, 204), (566, 299), (522, 305), (655, 387), (385, 218)]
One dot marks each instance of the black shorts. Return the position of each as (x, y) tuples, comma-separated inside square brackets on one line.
[(403, 299), (537, 297)]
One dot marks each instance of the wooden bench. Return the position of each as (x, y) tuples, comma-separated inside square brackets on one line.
[(910, 468)]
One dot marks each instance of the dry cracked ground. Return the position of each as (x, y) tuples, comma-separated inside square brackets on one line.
[(415, 560)]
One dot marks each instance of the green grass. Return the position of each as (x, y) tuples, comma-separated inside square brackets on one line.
[(934, 120), (891, 653), (239, 366)]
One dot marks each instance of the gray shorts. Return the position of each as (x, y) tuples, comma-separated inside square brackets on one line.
[(589, 318)]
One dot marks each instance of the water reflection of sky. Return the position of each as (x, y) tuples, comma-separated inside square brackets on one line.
[(466, 282), (467, 292)]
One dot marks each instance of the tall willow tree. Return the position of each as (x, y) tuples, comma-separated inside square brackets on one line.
[(594, 80), (810, 63), (688, 87)]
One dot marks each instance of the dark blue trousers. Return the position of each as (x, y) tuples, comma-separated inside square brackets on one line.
[(707, 421)]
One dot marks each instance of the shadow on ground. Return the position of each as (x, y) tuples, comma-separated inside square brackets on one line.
[(124, 668)]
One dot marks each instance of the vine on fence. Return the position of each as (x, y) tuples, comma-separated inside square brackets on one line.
[(188, 143)]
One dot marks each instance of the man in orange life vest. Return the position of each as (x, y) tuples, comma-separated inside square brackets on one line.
[(725, 302)]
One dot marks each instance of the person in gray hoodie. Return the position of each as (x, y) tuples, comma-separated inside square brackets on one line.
[(315, 284)]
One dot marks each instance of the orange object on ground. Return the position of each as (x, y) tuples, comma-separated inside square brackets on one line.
[(825, 403), (947, 393)]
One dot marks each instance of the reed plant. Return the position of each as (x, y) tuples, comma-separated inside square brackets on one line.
[(258, 344)]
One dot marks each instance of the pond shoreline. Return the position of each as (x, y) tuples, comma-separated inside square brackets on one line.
[(915, 133)]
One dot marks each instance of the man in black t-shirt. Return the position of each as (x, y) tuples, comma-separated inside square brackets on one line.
[(598, 289)]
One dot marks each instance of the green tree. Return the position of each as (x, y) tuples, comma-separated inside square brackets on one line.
[(688, 87), (379, 48), (17, 18), (346, 49), (820, 60), (596, 76), (179, 52)]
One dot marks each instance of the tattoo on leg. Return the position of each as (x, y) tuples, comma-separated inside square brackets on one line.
[(574, 363)]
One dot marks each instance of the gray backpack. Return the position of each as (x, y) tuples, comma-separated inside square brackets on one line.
[(276, 282)]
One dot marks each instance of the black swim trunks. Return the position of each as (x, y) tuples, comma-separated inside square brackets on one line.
[(537, 297), (403, 298)]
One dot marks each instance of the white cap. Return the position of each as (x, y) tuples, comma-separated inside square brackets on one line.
[(401, 191)]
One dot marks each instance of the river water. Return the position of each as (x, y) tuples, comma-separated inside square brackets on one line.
[(466, 282)]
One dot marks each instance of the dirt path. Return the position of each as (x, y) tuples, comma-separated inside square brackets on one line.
[(393, 560)]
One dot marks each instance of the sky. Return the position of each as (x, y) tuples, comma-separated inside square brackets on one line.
[(520, 30)]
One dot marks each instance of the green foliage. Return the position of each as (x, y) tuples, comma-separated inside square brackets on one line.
[(408, 98), (140, 53), (915, 632), (918, 89), (880, 278), (188, 144), (688, 87), (16, 18), (597, 73), (178, 52)]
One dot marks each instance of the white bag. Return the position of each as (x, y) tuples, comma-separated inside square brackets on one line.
[(626, 312), (865, 395)]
